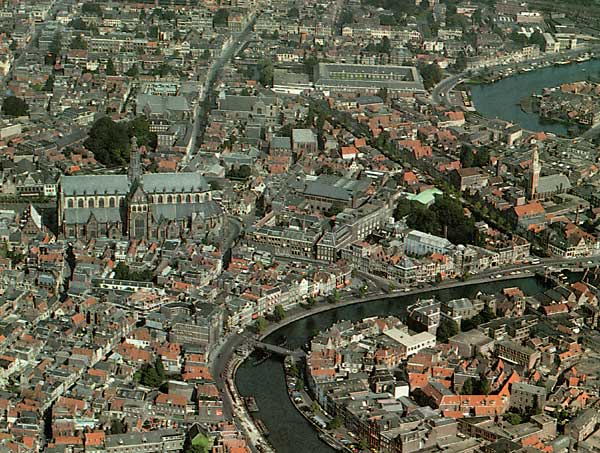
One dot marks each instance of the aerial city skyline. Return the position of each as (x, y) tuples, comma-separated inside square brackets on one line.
[(247, 226)]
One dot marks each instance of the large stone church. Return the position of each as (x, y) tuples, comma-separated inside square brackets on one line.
[(138, 206)]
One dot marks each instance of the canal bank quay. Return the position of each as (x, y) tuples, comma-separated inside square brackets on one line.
[(339, 439), (298, 314), (258, 442)]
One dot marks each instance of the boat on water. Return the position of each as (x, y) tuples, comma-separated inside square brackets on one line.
[(262, 358), (562, 62), (261, 426), (251, 404), (330, 441), (584, 58)]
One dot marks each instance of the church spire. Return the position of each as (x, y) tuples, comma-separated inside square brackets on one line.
[(135, 166), (536, 169)]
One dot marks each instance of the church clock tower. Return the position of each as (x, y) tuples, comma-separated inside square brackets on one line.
[(536, 169)]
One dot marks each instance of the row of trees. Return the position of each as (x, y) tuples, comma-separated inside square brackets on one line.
[(262, 322)]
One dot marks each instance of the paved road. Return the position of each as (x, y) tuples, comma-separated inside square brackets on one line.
[(440, 92), (202, 111)]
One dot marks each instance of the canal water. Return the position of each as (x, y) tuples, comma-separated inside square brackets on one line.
[(289, 431), (501, 99)]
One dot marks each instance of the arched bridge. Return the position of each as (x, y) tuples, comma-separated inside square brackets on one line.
[(277, 349)]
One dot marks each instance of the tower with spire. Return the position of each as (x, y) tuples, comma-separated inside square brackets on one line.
[(135, 165), (534, 178)]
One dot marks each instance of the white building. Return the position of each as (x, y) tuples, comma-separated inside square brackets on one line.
[(411, 344)]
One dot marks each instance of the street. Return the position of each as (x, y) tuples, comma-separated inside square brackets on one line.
[(204, 98)]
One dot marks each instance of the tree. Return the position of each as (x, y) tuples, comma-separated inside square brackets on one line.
[(55, 46), (152, 375), (14, 106), (385, 46), (260, 325), (334, 297), (160, 369), (117, 426), (293, 12), (467, 388), (153, 32), (387, 19), (109, 141), (49, 85), (122, 272), (461, 62), (278, 313), (512, 418), (335, 423), (92, 9), (346, 17), (431, 74), (362, 291), (139, 128), (78, 43), (538, 38), (133, 71), (310, 62), (220, 18), (78, 24), (242, 172), (446, 329), (483, 386), (265, 71), (110, 68)]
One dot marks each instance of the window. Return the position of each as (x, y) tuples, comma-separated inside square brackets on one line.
[(111, 202), (70, 204), (101, 203), (91, 203), (189, 198), (80, 203)]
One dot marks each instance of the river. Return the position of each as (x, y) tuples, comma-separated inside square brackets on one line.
[(289, 431), (501, 99)]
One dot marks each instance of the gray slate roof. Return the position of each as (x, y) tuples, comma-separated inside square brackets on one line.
[(183, 211), (174, 182), (80, 216), (79, 185), (553, 183), (162, 104)]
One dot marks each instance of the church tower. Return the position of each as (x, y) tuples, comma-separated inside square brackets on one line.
[(137, 206), (536, 169), (135, 165)]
